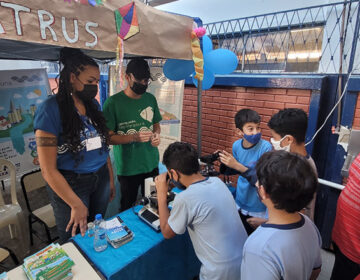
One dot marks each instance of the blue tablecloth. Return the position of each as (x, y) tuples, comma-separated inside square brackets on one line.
[(147, 256)]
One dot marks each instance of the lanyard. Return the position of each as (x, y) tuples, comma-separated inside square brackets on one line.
[(89, 125)]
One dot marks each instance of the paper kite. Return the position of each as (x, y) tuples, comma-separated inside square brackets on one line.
[(127, 25), (126, 21)]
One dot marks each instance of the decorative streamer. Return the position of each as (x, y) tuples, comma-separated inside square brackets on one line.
[(127, 25), (219, 61), (197, 56)]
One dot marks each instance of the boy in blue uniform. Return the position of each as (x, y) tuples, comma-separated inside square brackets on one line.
[(287, 246), (246, 152)]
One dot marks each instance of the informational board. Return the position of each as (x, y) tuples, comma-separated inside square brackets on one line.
[(21, 92), (169, 95)]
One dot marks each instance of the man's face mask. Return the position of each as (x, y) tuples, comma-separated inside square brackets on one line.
[(253, 139), (88, 93), (139, 88), (177, 184), (277, 144)]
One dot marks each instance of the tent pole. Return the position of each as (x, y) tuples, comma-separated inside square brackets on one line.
[(199, 109)]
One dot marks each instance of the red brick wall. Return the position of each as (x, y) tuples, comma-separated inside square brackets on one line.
[(220, 104)]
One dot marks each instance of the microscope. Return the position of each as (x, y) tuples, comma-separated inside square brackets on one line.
[(149, 213)]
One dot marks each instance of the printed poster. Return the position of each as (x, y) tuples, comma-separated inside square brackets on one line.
[(169, 95), (21, 92)]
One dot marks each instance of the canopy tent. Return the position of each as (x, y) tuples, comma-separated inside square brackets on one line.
[(36, 30)]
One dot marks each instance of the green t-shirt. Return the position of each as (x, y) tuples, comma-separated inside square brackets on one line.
[(124, 116)]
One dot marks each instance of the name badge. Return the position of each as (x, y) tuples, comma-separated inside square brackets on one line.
[(93, 143)]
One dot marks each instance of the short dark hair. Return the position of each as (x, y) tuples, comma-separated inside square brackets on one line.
[(246, 116), (181, 157), (288, 179), (139, 68), (290, 121)]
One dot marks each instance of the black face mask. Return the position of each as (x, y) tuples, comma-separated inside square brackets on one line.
[(88, 93), (139, 88), (177, 184)]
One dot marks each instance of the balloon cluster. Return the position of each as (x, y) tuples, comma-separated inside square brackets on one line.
[(219, 61)]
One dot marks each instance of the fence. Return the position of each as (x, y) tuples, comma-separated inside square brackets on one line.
[(315, 39)]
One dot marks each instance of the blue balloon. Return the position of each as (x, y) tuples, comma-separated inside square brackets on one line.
[(207, 44), (208, 80), (177, 69), (221, 61)]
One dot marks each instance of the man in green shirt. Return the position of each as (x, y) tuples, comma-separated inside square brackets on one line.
[(133, 118)]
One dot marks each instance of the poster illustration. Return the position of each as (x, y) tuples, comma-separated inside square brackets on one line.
[(169, 95), (21, 92)]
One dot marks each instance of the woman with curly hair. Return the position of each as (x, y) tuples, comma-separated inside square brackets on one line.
[(72, 144)]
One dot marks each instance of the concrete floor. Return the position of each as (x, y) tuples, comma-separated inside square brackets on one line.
[(328, 259)]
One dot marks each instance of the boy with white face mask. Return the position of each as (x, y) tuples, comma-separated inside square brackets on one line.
[(288, 129)]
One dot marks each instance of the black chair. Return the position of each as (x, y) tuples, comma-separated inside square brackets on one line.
[(44, 215)]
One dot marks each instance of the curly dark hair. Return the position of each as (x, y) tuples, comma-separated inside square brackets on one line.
[(288, 179), (74, 61)]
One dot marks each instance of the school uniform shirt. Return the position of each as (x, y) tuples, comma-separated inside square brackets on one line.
[(208, 211), (47, 118), (246, 195), (287, 252)]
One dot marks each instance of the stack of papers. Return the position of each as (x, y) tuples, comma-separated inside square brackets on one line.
[(117, 233), (51, 263)]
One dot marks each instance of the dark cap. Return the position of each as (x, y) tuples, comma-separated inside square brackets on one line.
[(139, 68)]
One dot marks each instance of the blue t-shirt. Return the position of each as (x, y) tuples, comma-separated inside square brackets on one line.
[(289, 252), (47, 118), (207, 209), (246, 195)]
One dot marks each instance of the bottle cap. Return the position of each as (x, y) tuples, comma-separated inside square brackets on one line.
[(98, 217)]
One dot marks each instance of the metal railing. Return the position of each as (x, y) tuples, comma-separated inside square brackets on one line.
[(316, 39)]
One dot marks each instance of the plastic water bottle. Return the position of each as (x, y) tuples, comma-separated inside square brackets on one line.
[(100, 242)]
